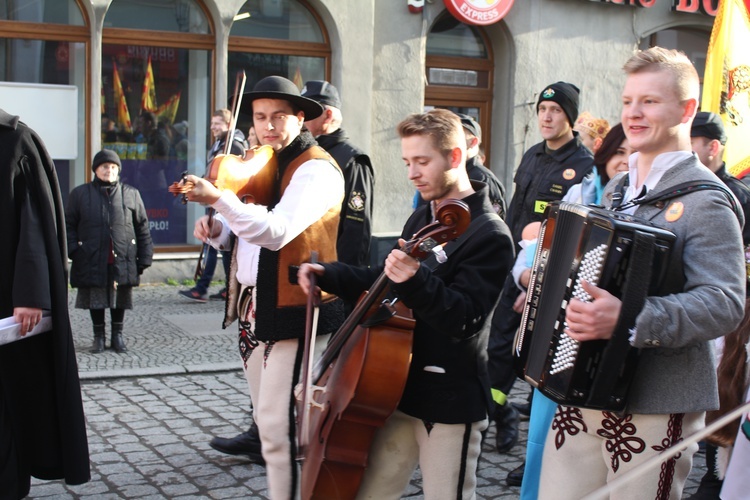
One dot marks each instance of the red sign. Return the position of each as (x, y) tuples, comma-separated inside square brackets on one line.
[(479, 12)]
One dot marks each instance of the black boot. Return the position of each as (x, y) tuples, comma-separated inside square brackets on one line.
[(710, 485), (506, 425), (117, 343), (98, 345), (515, 477), (247, 443)]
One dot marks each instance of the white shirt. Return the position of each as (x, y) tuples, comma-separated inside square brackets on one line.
[(661, 164), (316, 187)]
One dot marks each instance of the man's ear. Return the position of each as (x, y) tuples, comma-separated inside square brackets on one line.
[(715, 145), (456, 157), (691, 107)]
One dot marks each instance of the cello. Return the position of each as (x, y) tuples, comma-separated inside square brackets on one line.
[(251, 177), (359, 379)]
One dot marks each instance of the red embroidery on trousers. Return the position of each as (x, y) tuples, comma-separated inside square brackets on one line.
[(568, 420), (619, 433), (674, 436)]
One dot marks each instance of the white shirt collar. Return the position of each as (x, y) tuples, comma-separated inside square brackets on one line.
[(661, 164)]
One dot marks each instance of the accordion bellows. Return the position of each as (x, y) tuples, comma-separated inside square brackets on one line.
[(617, 252)]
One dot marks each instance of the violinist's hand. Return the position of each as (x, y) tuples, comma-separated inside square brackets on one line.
[(203, 191), (29, 317), (592, 320), (400, 266), (203, 232), (303, 275)]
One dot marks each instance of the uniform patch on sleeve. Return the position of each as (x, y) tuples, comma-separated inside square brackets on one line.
[(356, 201)]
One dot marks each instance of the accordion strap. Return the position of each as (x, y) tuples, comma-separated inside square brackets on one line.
[(633, 298), (673, 192)]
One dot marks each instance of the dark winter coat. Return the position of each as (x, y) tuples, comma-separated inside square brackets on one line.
[(355, 226), (448, 381), (42, 427), (544, 176), (98, 222)]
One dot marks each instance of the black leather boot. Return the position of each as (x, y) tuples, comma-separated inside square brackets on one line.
[(710, 485), (118, 344), (98, 345), (506, 425), (247, 443), (515, 477)]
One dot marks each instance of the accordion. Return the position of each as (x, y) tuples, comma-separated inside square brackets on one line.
[(619, 253)]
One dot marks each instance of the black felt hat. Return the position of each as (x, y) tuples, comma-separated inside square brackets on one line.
[(566, 95), (708, 125), (322, 92), (105, 156), (277, 87)]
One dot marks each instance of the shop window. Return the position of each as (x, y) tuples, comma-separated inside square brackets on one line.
[(156, 98), (43, 58), (42, 11), (183, 16), (459, 70), (277, 37)]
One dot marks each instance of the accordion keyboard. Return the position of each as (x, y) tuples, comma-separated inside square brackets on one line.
[(589, 270)]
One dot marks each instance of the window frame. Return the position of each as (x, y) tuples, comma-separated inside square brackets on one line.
[(53, 32), (461, 96)]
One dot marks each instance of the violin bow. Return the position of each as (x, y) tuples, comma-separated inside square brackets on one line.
[(239, 89)]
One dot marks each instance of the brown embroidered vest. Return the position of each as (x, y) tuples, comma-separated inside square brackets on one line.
[(320, 236), (280, 307)]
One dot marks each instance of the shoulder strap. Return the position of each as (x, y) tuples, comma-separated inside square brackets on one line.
[(687, 188)]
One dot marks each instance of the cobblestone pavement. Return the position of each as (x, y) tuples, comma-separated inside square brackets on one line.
[(152, 411)]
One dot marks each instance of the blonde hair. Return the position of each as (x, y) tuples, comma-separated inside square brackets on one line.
[(675, 62), (442, 125)]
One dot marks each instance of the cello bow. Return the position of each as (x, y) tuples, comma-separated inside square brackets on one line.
[(311, 328)]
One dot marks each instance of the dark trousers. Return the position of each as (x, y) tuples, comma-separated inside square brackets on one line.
[(210, 267), (505, 322)]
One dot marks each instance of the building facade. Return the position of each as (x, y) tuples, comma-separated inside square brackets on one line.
[(112, 62)]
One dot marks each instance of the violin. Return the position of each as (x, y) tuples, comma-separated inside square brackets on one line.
[(360, 377), (251, 177)]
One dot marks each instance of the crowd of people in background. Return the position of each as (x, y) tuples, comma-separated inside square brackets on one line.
[(466, 311)]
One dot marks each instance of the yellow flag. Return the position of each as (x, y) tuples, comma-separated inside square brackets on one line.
[(726, 82), (123, 115), (167, 111), (297, 80), (148, 95)]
